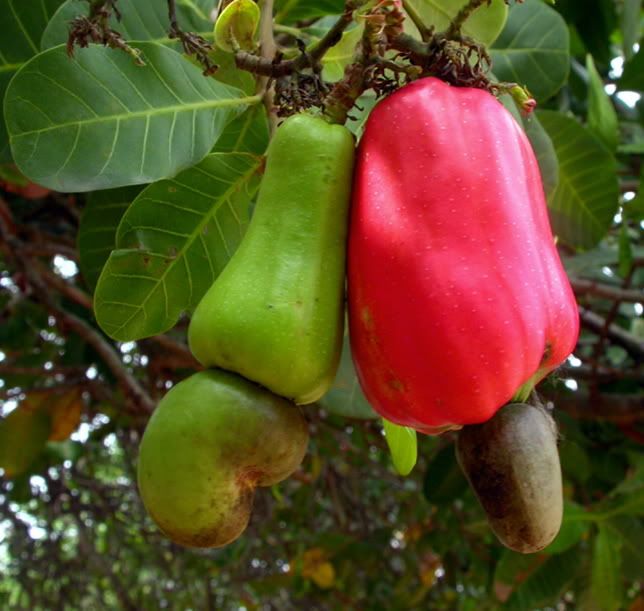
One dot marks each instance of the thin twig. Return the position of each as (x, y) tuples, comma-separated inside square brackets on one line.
[(70, 291)]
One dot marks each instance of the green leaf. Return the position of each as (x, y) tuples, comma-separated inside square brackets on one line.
[(402, 445), (602, 118), (539, 139), (227, 72), (100, 121), (630, 503), (630, 25), (532, 50), (544, 151), (575, 461), (484, 24), (594, 22), (172, 242), (444, 481), (511, 569), (585, 201), (97, 229), (575, 524), (632, 148), (23, 22), (248, 133), (141, 20), (546, 583), (629, 531), (345, 398), (632, 78), (606, 580), (290, 11), (339, 56)]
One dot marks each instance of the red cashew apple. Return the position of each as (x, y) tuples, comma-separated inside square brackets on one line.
[(458, 300)]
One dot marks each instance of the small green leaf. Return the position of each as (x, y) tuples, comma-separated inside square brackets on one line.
[(236, 26), (339, 56), (290, 11), (585, 200), (172, 242), (402, 445), (532, 50), (484, 24), (602, 118), (606, 581)]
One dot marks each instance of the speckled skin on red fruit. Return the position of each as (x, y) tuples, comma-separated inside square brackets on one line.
[(457, 295)]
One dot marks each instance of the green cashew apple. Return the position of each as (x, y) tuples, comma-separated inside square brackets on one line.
[(212, 439), (512, 463), (275, 315)]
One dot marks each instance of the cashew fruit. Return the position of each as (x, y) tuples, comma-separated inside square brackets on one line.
[(212, 439), (275, 313), (458, 301), (512, 463)]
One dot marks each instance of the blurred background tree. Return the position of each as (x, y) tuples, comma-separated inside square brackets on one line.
[(345, 532)]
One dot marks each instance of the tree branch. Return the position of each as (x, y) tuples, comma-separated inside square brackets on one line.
[(582, 286), (601, 374), (603, 406), (632, 344), (267, 66), (105, 350)]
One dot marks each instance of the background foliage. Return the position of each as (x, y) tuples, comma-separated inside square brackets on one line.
[(153, 170)]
